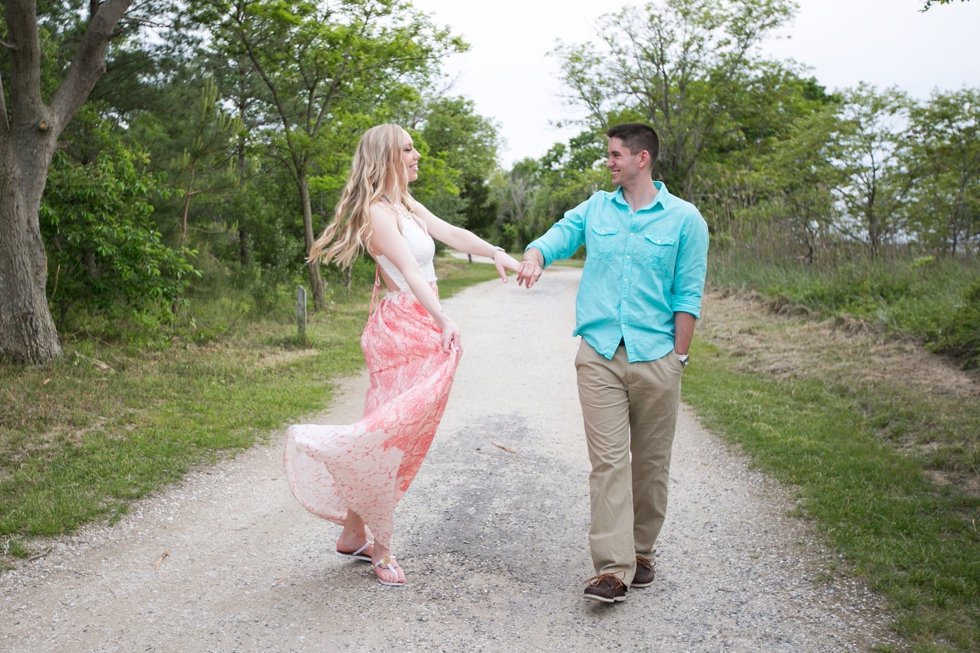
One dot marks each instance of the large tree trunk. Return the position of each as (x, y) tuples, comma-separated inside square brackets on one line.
[(27, 332), (27, 143), (316, 281)]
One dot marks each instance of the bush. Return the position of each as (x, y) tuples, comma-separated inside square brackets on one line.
[(853, 290), (104, 255), (960, 336)]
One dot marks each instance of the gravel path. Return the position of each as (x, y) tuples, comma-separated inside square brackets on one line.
[(494, 543)]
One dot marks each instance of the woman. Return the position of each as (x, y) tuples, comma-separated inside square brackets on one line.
[(354, 475)]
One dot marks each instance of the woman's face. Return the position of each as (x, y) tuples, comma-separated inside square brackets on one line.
[(410, 156)]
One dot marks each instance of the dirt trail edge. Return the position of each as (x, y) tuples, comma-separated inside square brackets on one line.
[(494, 543)]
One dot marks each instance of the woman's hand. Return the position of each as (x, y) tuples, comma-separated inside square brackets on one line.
[(450, 334), (504, 262)]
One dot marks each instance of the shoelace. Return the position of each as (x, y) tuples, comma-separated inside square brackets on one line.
[(595, 580)]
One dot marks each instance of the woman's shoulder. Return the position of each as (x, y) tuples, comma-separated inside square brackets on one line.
[(412, 204), (383, 210)]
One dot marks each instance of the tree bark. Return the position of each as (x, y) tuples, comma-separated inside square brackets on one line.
[(187, 205), (27, 332), (244, 247), (316, 281)]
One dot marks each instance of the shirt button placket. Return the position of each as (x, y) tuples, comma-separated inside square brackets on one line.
[(627, 269)]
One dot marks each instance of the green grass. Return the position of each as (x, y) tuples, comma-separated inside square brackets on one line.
[(917, 543), (934, 300), (111, 422)]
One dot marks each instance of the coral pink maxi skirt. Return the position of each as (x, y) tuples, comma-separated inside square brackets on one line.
[(367, 467)]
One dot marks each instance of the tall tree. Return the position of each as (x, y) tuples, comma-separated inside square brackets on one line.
[(797, 184), (322, 65), (29, 133), (516, 194), (208, 160), (468, 143), (679, 65), (536, 193), (869, 153), (771, 101), (946, 152)]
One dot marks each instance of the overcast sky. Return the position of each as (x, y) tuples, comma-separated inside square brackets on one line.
[(884, 42)]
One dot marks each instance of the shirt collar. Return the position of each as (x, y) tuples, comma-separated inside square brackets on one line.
[(661, 198)]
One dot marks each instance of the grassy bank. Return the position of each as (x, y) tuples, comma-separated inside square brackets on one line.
[(934, 300), (882, 440), (111, 422)]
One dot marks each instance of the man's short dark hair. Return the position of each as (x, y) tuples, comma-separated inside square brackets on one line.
[(637, 137)]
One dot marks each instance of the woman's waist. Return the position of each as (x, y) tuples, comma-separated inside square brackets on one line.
[(406, 294)]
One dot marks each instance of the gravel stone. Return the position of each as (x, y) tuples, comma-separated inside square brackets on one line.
[(494, 544)]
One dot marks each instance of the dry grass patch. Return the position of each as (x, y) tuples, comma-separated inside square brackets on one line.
[(770, 339), (922, 403), (280, 358)]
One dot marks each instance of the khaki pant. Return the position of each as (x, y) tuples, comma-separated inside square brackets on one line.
[(630, 412)]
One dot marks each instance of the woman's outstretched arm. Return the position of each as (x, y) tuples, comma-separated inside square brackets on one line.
[(387, 241), (465, 241)]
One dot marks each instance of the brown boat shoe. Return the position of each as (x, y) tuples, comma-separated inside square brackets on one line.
[(608, 588), (646, 569)]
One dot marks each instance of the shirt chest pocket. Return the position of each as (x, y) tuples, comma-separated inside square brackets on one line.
[(601, 242), (657, 252)]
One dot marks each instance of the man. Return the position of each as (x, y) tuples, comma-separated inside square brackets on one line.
[(637, 304)]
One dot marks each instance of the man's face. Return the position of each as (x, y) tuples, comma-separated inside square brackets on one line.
[(622, 163)]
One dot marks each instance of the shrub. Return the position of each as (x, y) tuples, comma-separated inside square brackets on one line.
[(960, 336), (103, 253)]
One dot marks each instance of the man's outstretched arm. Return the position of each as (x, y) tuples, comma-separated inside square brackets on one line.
[(560, 241), (532, 264)]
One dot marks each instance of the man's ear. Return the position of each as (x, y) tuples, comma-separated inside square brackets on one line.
[(643, 160)]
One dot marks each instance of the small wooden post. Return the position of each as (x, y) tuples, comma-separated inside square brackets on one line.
[(301, 312)]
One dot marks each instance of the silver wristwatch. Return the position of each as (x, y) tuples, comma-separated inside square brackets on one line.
[(684, 359)]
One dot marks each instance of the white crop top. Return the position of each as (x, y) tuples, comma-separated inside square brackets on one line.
[(420, 244)]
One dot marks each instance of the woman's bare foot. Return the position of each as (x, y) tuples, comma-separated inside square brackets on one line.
[(349, 543), (354, 538), (386, 568)]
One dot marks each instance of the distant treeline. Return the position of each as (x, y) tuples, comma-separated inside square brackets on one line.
[(219, 137), (217, 142), (779, 167)]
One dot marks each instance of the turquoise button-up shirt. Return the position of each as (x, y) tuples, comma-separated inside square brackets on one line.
[(640, 269)]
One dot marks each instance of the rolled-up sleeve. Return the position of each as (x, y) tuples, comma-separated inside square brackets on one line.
[(565, 236), (691, 267)]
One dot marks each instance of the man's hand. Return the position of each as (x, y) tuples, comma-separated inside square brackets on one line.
[(531, 268)]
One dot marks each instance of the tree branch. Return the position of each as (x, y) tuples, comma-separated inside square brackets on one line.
[(89, 62), (277, 101), (25, 62), (146, 21)]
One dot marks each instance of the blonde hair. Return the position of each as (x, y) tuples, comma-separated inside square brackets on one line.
[(377, 165)]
